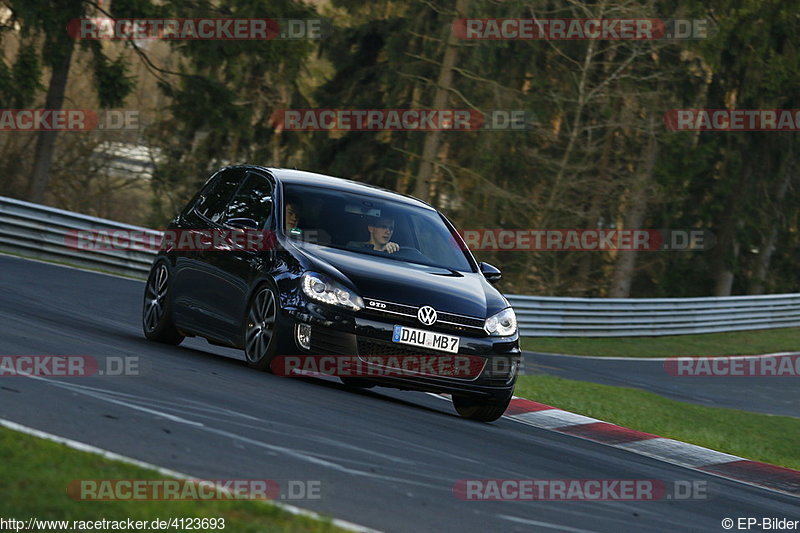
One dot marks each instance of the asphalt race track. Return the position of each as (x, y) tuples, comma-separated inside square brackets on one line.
[(386, 460), (769, 395)]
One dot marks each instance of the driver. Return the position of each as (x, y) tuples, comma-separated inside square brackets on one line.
[(380, 234)]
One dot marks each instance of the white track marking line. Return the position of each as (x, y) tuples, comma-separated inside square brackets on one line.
[(547, 525), (98, 394)]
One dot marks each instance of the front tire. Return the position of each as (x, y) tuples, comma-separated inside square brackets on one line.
[(480, 409), (156, 309), (261, 332)]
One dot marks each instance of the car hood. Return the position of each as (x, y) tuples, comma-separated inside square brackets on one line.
[(382, 278)]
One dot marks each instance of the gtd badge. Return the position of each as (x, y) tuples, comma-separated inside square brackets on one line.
[(427, 315)]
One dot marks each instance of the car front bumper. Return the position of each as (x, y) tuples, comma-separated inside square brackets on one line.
[(339, 333)]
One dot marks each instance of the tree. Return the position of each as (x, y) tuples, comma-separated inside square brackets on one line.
[(222, 96), (47, 20)]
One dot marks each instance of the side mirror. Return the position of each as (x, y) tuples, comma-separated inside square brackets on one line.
[(242, 223), (491, 273)]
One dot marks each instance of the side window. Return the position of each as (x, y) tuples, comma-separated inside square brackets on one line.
[(252, 200), (214, 198)]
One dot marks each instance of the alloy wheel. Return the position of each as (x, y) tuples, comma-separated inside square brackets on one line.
[(260, 326)]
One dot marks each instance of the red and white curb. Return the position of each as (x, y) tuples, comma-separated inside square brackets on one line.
[(691, 456)]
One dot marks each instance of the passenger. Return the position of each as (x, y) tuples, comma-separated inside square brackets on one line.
[(292, 214), (292, 220)]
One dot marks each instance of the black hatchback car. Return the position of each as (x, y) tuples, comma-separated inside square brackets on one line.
[(348, 270)]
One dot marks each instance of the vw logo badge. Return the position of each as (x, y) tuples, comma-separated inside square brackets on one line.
[(427, 315)]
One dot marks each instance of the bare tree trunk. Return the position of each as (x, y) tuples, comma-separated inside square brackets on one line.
[(634, 218), (555, 189), (727, 248), (723, 284), (764, 259), (587, 260), (768, 247), (46, 140), (435, 184), (433, 139), (285, 102)]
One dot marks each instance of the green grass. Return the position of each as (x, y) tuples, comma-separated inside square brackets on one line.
[(733, 343), (767, 438), (35, 474)]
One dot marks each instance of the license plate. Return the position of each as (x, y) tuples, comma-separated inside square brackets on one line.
[(425, 339)]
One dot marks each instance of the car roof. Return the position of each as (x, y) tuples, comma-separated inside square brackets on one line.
[(301, 177)]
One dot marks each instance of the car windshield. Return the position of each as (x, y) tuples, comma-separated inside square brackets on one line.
[(371, 225)]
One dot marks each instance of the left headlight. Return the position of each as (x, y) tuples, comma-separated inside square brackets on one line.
[(327, 291), (502, 324)]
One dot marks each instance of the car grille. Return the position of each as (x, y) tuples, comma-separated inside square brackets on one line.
[(407, 314), (471, 322), (367, 348)]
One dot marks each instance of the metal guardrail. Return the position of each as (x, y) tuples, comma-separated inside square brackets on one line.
[(544, 316), (42, 232)]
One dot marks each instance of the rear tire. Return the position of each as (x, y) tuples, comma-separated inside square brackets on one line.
[(157, 321), (480, 409)]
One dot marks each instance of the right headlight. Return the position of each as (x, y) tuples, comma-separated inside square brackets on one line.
[(327, 291), (501, 324)]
